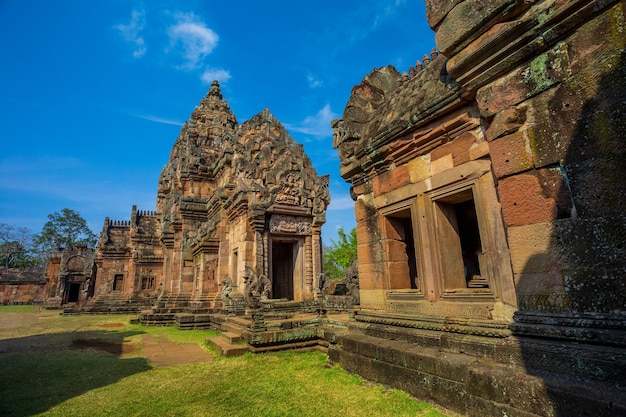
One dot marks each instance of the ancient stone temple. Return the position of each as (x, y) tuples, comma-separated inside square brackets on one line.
[(490, 203), (237, 206), (129, 264), (235, 197), (69, 277)]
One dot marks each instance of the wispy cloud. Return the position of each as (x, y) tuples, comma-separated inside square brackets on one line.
[(340, 203), (195, 41), (157, 119), (317, 125), (386, 9), (313, 82), (131, 32), (218, 74)]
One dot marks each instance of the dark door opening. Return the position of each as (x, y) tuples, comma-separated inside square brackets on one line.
[(72, 296), (118, 280), (282, 270)]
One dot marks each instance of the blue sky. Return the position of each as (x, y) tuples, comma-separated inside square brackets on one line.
[(93, 93)]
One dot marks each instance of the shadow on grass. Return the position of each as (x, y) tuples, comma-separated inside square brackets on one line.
[(38, 372)]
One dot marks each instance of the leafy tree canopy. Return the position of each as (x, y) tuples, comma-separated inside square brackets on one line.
[(65, 229), (340, 255), (15, 247)]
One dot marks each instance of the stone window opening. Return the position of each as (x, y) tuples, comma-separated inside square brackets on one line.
[(147, 283), (401, 247), (459, 235), (118, 282)]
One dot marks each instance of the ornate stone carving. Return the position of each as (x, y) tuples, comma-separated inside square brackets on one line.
[(226, 290), (289, 224), (256, 289)]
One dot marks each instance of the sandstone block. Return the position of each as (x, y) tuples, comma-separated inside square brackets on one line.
[(529, 283), (531, 248), (441, 164), (419, 168), (359, 189), (372, 299), (540, 74), (478, 150), (523, 201), (510, 154), (395, 251), (390, 180), (371, 276), (368, 255), (457, 146), (398, 273), (507, 121), (367, 232), (436, 10), (363, 210), (465, 21)]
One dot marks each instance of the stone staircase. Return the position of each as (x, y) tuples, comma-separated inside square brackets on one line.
[(230, 342), (165, 310), (306, 331), (115, 304)]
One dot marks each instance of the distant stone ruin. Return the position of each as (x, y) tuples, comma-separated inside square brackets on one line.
[(490, 203)]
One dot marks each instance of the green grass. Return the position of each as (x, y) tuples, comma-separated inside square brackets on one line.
[(42, 373)]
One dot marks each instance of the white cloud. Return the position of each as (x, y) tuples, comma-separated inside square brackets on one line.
[(218, 74), (131, 32), (317, 125), (193, 39), (313, 82), (157, 119)]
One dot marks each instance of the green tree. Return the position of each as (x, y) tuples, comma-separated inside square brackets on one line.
[(339, 255), (15, 246), (65, 229)]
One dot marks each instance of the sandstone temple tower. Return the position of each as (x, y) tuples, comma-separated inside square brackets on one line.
[(233, 200)]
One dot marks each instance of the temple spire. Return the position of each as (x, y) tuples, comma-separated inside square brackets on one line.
[(214, 91)]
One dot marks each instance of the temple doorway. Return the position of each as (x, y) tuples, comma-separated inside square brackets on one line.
[(282, 269), (74, 291)]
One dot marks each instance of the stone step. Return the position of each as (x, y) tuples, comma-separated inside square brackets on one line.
[(226, 348), (232, 327), (232, 338), (240, 321)]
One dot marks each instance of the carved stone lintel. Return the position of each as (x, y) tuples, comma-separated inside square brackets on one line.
[(289, 224)]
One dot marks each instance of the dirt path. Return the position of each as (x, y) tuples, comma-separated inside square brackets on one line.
[(162, 352)]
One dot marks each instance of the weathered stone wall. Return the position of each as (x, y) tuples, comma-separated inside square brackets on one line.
[(19, 286), (130, 250), (520, 122)]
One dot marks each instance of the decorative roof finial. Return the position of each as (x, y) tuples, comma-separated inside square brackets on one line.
[(214, 91)]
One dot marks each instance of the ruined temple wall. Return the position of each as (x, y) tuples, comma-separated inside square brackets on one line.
[(560, 169), (22, 292), (240, 251), (543, 84)]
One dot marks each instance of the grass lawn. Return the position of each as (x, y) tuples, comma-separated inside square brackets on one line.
[(44, 371)]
